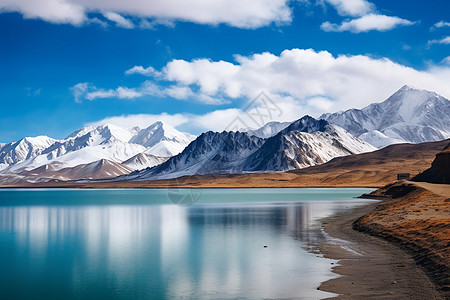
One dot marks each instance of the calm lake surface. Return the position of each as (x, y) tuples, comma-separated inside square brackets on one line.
[(138, 244)]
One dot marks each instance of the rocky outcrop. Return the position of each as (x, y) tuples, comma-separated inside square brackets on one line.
[(440, 169)]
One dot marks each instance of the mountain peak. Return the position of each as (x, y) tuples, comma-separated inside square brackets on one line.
[(407, 87), (306, 124), (162, 139), (409, 115)]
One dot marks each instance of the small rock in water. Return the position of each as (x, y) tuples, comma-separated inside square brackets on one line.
[(265, 246)]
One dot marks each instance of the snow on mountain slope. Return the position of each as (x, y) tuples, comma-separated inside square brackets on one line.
[(306, 142), (26, 148), (409, 115), (210, 153), (142, 161), (87, 145), (268, 130), (160, 139), (90, 144), (89, 137)]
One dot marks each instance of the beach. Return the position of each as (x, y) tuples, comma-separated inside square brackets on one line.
[(398, 246)]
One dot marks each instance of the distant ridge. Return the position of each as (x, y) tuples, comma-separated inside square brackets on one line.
[(408, 116), (305, 142), (88, 145)]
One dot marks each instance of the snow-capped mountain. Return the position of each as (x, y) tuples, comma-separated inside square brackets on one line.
[(409, 115), (143, 160), (91, 144), (210, 153), (163, 140), (26, 148), (305, 142), (268, 130)]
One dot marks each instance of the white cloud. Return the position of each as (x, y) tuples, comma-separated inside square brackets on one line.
[(119, 20), (89, 92), (100, 94), (149, 71), (79, 91), (148, 88), (345, 81), (299, 81), (354, 8), (368, 18), (243, 14), (445, 41), (367, 23), (127, 93), (180, 92), (54, 11), (441, 24), (446, 61), (142, 120)]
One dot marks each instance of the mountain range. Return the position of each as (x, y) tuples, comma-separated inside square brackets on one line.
[(44, 158), (159, 151), (305, 142), (408, 116)]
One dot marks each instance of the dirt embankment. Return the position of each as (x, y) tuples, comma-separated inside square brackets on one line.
[(416, 217), (440, 169)]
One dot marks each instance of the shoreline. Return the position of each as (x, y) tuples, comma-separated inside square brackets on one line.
[(160, 187), (378, 266)]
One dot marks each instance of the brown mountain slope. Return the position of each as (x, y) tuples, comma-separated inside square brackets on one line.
[(440, 169), (372, 169), (96, 170)]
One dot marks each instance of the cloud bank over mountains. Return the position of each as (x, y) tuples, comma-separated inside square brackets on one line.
[(299, 81)]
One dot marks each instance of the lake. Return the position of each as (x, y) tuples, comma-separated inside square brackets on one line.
[(166, 244)]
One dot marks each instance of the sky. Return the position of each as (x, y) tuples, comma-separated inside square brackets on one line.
[(210, 65)]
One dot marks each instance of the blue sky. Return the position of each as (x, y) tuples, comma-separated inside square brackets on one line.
[(65, 66)]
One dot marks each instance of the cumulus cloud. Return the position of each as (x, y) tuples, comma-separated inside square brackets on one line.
[(353, 8), (84, 90), (304, 74), (148, 88), (55, 11), (368, 18), (99, 94), (243, 14), (441, 24), (79, 91), (445, 41), (119, 20), (127, 93), (149, 71), (142, 120), (298, 81), (367, 23), (446, 60)]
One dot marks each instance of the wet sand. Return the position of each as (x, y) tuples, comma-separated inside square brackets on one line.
[(389, 262)]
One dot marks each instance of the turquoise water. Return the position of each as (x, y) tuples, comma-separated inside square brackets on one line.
[(137, 244)]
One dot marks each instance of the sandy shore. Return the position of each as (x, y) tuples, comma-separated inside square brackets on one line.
[(392, 262)]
